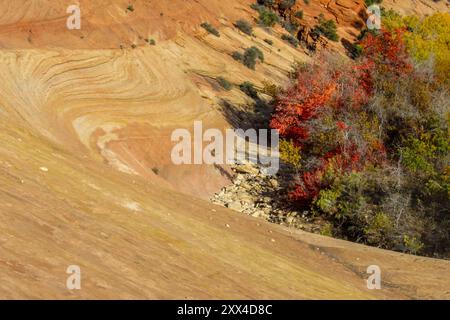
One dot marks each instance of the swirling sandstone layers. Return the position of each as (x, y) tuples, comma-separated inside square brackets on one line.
[(82, 125)]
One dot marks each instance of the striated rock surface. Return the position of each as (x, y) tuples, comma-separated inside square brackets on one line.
[(86, 177)]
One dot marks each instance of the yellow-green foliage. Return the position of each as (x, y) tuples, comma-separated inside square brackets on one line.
[(412, 244), (326, 201), (446, 180), (270, 89), (290, 153), (415, 155), (391, 20), (426, 38), (418, 154), (377, 228), (327, 230)]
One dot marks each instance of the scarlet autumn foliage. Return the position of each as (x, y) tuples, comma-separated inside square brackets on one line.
[(324, 99), (386, 52), (372, 143), (302, 101)]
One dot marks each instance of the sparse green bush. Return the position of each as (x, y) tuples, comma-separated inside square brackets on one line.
[(417, 154), (210, 29), (412, 244), (290, 26), (244, 26), (257, 7), (327, 230), (224, 83), (249, 89), (287, 4), (267, 18), (349, 204), (259, 53), (356, 50), (326, 28), (291, 39), (299, 14), (250, 57), (379, 227), (237, 56)]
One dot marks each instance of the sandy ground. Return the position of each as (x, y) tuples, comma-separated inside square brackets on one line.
[(83, 125)]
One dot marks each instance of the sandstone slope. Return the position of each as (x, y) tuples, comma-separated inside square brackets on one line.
[(86, 176)]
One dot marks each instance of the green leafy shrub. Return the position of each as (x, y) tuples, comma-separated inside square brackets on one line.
[(267, 18), (237, 56), (299, 14), (244, 26), (379, 227), (290, 26), (412, 244), (357, 50), (291, 39), (224, 83), (416, 155), (327, 230), (249, 89), (257, 7), (250, 57), (290, 153), (327, 200), (326, 28), (349, 204), (210, 29)]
